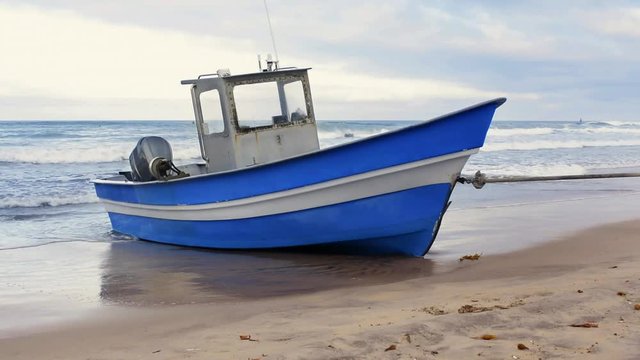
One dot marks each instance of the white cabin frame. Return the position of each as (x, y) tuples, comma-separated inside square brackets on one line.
[(239, 146)]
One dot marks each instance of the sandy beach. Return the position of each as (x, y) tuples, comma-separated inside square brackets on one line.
[(523, 304)]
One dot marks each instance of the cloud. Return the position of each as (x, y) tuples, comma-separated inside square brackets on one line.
[(622, 21), (59, 53), (72, 66), (341, 84), (377, 59)]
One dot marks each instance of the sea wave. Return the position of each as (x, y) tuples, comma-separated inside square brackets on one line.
[(349, 133), (617, 123), (518, 132), (606, 130), (97, 154), (529, 170), (557, 144), (36, 202), (567, 130)]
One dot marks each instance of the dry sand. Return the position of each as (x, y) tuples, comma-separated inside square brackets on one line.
[(530, 297)]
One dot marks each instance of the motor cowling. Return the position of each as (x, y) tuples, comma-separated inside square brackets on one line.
[(151, 159)]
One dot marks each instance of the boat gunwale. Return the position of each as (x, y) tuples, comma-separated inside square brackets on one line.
[(311, 188), (125, 182)]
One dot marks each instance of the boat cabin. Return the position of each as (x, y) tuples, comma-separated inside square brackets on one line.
[(250, 119)]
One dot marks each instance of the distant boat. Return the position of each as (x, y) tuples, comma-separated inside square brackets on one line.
[(580, 121), (271, 186)]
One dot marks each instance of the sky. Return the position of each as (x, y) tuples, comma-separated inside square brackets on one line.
[(373, 59)]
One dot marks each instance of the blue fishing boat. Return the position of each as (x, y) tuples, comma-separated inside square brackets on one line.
[(265, 183)]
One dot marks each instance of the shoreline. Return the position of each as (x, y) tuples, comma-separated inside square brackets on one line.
[(528, 297)]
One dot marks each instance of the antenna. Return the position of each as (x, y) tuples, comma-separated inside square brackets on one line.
[(273, 40)]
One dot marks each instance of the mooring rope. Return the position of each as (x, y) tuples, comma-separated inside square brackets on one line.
[(480, 179)]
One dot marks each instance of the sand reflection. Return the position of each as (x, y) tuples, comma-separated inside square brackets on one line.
[(144, 273)]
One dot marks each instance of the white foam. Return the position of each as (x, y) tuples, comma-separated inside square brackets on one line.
[(606, 130), (342, 133), (41, 201), (620, 123), (530, 170), (519, 132), (76, 154), (494, 132), (557, 144)]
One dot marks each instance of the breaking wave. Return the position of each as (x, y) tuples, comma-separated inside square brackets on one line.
[(349, 133), (607, 130), (98, 154), (531, 170), (617, 123), (343, 135), (558, 144), (496, 132), (39, 202), (517, 132)]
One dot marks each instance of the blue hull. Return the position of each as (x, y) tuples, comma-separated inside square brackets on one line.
[(397, 223), (391, 222)]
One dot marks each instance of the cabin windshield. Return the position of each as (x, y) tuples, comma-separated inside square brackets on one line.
[(280, 102), (212, 116)]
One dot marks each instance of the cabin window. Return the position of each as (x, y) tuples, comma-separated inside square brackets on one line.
[(211, 112), (257, 105), (296, 104), (269, 103)]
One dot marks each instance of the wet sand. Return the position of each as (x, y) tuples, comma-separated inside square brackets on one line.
[(528, 297), (60, 276)]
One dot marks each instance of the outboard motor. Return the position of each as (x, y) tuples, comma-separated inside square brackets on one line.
[(151, 159)]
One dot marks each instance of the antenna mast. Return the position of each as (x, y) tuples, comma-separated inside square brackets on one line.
[(273, 39)]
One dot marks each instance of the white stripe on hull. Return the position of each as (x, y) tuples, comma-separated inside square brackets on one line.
[(438, 170)]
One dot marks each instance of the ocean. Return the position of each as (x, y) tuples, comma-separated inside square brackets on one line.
[(59, 257)]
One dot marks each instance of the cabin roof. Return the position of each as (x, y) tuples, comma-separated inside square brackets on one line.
[(247, 76)]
